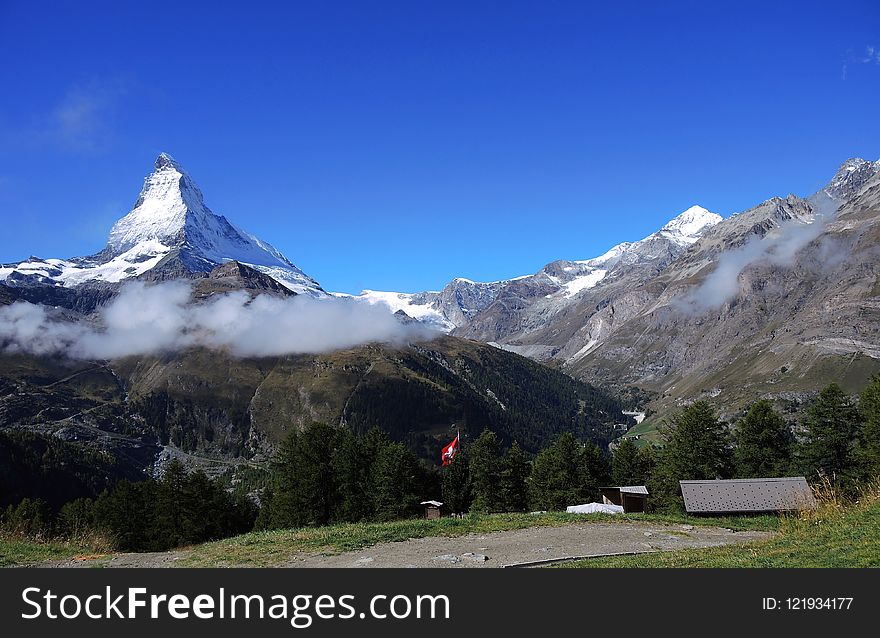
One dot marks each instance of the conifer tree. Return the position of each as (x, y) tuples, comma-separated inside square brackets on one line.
[(868, 447), (351, 467), (128, 515), (594, 471), (514, 480), (567, 472), (170, 505), (30, 518), (631, 465), (395, 483), (763, 443), (696, 446), (77, 519), (305, 490), (831, 426), (485, 473)]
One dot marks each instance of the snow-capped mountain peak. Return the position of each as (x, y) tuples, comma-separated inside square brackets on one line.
[(167, 199), (689, 226), (165, 161), (556, 285), (170, 220)]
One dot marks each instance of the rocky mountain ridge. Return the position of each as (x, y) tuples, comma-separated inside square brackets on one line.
[(468, 306), (681, 314)]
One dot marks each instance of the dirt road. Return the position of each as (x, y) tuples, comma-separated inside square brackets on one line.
[(484, 550), (530, 545)]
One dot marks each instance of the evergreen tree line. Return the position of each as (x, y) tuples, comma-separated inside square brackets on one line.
[(838, 440), (324, 474), (37, 466), (152, 515), (482, 479), (529, 402)]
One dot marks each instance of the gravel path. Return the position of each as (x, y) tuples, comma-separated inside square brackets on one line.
[(528, 545), (485, 550)]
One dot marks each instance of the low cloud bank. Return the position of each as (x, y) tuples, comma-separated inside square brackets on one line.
[(149, 319), (778, 247)]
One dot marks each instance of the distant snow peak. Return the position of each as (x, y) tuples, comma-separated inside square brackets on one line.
[(682, 230), (559, 283), (690, 225), (607, 256)]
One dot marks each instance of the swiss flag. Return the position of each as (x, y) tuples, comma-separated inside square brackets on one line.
[(449, 452)]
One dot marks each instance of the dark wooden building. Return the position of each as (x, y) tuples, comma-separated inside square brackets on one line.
[(632, 498), (433, 509)]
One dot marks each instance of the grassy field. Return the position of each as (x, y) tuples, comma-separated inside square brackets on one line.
[(833, 536), (278, 546), (17, 551), (260, 549), (647, 432)]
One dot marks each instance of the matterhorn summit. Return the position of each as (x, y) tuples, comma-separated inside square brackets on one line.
[(169, 230), (169, 203)]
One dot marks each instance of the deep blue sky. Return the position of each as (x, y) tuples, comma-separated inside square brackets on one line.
[(395, 145)]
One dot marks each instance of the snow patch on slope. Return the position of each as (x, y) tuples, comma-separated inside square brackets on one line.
[(401, 301), (137, 260), (583, 351), (607, 256), (584, 282)]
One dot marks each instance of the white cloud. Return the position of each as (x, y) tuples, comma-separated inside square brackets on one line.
[(80, 121), (148, 319), (871, 55), (779, 247)]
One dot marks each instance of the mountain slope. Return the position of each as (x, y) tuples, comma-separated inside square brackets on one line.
[(775, 301), (202, 404), (524, 312), (169, 229)]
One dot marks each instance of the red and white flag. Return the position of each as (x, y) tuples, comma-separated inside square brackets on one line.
[(449, 452)]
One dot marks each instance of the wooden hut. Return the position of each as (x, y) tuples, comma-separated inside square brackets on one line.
[(432, 509), (632, 498)]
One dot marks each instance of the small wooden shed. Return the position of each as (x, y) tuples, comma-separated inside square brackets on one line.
[(632, 498), (432, 509)]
